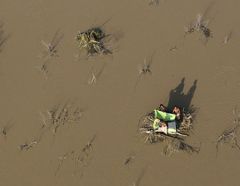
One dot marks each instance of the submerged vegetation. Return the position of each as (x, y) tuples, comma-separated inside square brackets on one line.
[(111, 99), (199, 25), (175, 145), (230, 136)]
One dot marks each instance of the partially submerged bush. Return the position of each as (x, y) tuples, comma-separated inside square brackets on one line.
[(186, 124), (230, 136), (199, 25), (176, 145), (92, 41), (60, 115)]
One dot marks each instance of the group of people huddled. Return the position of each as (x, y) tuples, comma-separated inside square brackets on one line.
[(166, 121)]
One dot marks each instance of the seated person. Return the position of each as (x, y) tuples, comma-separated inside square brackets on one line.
[(159, 126), (164, 116), (166, 128), (176, 110)]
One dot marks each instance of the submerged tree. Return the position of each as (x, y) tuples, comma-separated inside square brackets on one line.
[(92, 41)]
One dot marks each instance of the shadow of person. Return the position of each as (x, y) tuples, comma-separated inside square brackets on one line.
[(188, 98), (176, 95), (179, 99)]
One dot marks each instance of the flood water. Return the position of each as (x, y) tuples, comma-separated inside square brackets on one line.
[(205, 73)]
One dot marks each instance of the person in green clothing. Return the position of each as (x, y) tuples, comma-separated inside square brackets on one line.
[(176, 110), (164, 116)]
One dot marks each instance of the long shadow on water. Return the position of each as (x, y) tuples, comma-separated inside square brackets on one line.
[(178, 98)]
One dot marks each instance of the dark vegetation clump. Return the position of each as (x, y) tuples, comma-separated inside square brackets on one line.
[(92, 41)]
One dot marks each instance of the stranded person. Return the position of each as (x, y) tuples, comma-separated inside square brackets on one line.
[(166, 122)]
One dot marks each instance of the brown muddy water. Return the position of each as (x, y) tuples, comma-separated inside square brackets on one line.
[(111, 108)]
